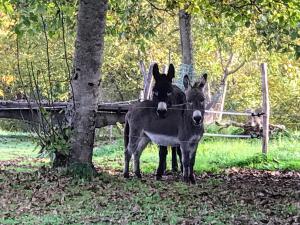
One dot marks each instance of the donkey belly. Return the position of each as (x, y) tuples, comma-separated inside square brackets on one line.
[(162, 139)]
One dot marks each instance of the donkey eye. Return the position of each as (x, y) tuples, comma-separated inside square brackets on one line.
[(169, 93), (155, 93)]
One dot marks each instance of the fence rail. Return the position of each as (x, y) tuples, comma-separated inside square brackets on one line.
[(230, 113)]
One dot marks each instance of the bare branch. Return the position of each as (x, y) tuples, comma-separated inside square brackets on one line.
[(48, 59), (220, 53), (61, 15), (229, 61), (160, 9), (22, 83), (221, 59), (237, 68)]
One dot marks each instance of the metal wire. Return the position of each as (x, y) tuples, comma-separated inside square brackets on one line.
[(174, 107), (228, 135), (213, 135), (120, 102), (229, 113), (34, 108)]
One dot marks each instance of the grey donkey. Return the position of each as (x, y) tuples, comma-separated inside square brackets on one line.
[(181, 126)]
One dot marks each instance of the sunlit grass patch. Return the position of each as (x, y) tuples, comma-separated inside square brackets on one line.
[(16, 144), (213, 155)]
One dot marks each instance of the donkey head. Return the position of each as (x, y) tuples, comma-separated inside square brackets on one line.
[(162, 89), (195, 98)]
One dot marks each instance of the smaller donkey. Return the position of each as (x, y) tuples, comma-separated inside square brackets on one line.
[(182, 126)]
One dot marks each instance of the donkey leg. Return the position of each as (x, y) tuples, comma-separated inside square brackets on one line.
[(163, 151), (186, 163), (127, 156), (180, 158), (174, 159), (137, 154), (192, 163), (136, 164)]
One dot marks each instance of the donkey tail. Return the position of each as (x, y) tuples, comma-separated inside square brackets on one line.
[(126, 134)]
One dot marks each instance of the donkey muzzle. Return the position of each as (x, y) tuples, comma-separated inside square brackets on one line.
[(197, 117), (162, 109)]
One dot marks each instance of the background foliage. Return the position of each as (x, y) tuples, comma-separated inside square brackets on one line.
[(264, 31)]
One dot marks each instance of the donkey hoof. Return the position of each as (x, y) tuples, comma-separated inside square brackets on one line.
[(192, 179), (126, 175), (158, 177), (186, 179), (138, 175), (175, 170)]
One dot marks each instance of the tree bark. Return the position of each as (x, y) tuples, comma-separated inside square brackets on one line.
[(186, 37), (223, 100), (86, 79)]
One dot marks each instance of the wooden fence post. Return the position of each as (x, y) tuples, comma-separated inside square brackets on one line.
[(144, 73), (266, 108), (149, 83)]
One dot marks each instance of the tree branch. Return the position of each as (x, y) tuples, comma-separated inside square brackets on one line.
[(229, 61), (220, 53), (48, 59), (237, 68), (160, 9)]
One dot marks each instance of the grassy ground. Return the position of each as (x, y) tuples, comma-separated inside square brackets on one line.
[(215, 154), (230, 189)]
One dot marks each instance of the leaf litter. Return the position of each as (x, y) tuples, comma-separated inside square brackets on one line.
[(234, 196)]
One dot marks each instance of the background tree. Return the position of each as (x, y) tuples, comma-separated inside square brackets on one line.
[(149, 30)]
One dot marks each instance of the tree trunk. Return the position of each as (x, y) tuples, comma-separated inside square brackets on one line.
[(86, 81), (60, 160), (223, 99), (186, 37)]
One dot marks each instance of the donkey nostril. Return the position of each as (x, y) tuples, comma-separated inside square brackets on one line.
[(161, 113), (197, 118)]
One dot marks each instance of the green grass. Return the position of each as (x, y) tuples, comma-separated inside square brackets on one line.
[(16, 144), (215, 154)]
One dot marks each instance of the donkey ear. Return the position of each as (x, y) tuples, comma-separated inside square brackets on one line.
[(155, 72), (186, 82), (202, 81), (171, 72)]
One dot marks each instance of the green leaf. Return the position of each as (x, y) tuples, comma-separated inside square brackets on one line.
[(297, 52), (41, 9), (33, 17), (248, 24), (253, 45), (294, 34), (26, 21), (238, 18)]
